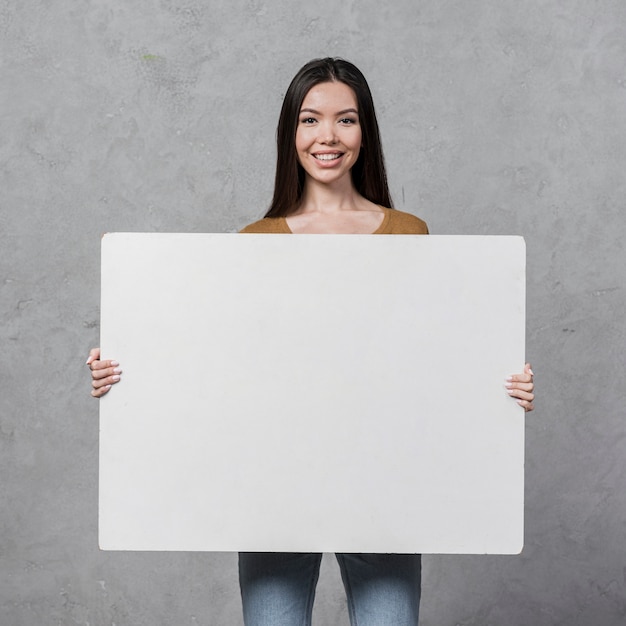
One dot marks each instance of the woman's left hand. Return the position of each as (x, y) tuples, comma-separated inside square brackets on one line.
[(521, 387)]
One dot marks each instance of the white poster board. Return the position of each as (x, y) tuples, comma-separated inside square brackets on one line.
[(312, 393)]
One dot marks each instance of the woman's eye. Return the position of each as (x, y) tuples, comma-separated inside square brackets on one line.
[(307, 120), (348, 120)]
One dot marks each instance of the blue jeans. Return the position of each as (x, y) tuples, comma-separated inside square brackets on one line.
[(278, 588)]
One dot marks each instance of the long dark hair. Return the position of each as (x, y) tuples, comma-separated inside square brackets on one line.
[(368, 173)]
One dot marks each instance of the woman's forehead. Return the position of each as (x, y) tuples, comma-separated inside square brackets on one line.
[(330, 95)]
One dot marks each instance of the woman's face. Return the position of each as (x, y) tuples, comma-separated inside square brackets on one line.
[(328, 134)]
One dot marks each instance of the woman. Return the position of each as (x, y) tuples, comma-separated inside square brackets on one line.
[(330, 178)]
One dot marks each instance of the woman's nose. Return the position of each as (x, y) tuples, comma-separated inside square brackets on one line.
[(327, 134)]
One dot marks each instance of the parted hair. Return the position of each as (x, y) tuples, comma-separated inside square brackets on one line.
[(368, 173)]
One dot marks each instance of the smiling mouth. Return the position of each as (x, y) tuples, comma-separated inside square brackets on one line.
[(328, 157)]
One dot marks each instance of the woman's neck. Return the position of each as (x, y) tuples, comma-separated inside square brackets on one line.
[(328, 199), (326, 209)]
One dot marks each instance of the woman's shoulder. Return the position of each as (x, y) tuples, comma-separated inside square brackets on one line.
[(267, 225), (399, 222)]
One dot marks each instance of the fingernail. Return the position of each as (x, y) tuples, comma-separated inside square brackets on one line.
[(510, 391), (114, 363), (531, 372), (508, 385), (115, 378), (117, 370), (509, 378)]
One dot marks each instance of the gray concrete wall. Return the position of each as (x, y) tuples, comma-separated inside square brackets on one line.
[(498, 117)]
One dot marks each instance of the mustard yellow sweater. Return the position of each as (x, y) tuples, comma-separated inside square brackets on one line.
[(394, 223)]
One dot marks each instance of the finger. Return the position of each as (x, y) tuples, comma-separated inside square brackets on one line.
[(520, 394), (525, 377), (527, 405), (100, 365), (519, 378), (524, 386), (98, 393), (107, 381), (98, 374), (94, 355)]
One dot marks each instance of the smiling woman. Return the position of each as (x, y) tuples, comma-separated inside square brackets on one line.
[(330, 178)]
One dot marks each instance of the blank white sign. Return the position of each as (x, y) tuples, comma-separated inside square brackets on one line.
[(312, 393)]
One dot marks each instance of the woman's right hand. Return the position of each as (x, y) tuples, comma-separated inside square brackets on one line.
[(103, 373)]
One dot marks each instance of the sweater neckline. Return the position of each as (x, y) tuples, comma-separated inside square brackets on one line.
[(381, 228)]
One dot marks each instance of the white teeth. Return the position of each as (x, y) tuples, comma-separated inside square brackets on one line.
[(327, 157)]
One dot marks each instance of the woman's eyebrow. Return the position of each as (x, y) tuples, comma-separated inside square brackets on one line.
[(343, 112)]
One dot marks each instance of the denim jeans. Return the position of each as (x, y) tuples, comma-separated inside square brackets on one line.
[(278, 588)]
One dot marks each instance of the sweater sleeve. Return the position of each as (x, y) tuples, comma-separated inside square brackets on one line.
[(401, 223)]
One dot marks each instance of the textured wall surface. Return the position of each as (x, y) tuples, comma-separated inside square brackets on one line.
[(498, 117)]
